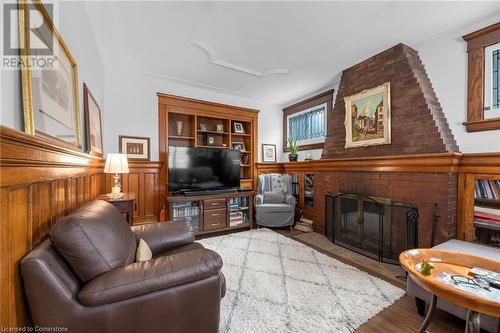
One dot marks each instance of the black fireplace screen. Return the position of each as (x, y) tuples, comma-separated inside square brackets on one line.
[(376, 227)]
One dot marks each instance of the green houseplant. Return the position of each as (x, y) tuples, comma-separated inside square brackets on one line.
[(293, 147)]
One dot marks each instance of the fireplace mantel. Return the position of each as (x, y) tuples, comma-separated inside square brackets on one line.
[(449, 178), (440, 162)]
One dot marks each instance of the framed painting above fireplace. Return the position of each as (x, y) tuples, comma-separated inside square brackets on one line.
[(368, 117)]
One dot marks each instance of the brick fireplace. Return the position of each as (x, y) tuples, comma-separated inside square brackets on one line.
[(418, 127), (419, 189)]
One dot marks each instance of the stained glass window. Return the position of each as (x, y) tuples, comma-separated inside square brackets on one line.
[(495, 84), (308, 126)]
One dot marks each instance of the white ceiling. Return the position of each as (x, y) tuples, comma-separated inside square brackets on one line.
[(314, 41)]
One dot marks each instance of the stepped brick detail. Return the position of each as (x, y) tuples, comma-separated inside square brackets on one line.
[(418, 122), (418, 127)]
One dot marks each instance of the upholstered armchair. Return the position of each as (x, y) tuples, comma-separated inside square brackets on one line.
[(85, 277), (274, 203)]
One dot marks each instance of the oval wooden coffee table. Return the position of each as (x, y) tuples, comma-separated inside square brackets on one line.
[(453, 263)]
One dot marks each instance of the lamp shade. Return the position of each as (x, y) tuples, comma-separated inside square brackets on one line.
[(116, 163)]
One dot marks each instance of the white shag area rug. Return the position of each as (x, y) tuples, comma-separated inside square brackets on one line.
[(276, 284)]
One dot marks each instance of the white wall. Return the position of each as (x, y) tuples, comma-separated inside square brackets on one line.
[(127, 95), (74, 26), (445, 59), (132, 106)]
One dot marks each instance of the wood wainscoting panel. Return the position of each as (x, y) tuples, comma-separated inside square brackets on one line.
[(143, 180), (39, 184)]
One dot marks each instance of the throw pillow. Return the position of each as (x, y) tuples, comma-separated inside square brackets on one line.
[(274, 197), (143, 252)]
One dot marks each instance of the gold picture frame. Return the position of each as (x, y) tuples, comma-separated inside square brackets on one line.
[(368, 117), (64, 118)]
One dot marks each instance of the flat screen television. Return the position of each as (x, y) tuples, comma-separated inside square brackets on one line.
[(203, 169)]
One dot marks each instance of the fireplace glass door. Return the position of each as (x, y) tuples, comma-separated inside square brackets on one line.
[(359, 224), (375, 227)]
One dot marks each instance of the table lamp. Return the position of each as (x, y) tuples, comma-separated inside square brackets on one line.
[(117, 164)]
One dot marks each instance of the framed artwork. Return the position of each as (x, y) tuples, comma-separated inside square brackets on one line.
[(268, 153), (239, 146), (220, 127), (238, 128), (137, 148), (50, 90), (368, 117), (93, 124)]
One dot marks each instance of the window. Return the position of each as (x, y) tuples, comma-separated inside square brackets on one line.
[(308, 126), (483, 86), (306, 121), (491, 81), (496, 78)]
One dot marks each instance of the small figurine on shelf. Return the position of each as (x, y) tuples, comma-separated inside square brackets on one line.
[(180, 127)]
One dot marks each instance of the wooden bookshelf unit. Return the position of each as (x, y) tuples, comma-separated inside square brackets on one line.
[(474, 168), (213, 213), (185, 122)]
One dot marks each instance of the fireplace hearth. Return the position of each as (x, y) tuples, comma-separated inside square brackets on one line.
[(376, 227)]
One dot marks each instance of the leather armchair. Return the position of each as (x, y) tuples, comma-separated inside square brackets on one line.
[(83, 278)]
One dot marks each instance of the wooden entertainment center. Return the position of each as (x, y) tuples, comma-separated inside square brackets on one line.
[(185, 122)]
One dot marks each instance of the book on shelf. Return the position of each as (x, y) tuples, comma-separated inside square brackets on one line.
[(487, 217), (487, 189), (304, 224)]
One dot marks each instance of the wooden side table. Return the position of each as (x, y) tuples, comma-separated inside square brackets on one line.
[(125, 204), (453, 263)]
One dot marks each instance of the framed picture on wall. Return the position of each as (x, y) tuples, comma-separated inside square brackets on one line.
[(50, 88), (93, 124), (368, 117), (268, 152), (137, 148)]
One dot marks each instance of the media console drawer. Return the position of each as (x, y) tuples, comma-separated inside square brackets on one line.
[(215, 204), (214, 219)]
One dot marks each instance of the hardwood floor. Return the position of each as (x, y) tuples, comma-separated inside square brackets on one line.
[(399, 317)]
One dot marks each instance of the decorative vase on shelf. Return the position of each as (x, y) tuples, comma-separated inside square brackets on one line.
[(293, 157), (180, 127)]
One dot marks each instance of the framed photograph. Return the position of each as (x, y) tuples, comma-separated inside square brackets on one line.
[(49, 89), (93, 124), (268, 153), (238, 128), (137, 148), (220, 127), (368, 117), (239, 146)]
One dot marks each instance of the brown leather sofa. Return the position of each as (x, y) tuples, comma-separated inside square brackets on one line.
[(84, 277)]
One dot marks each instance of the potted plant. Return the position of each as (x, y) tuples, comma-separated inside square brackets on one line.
[(293, 147)]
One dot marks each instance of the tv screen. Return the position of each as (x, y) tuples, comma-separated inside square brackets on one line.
[(202, 169)]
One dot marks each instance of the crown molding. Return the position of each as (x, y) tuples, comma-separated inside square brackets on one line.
[(213, 60)]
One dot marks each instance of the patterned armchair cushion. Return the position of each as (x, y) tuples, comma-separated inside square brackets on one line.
[(274, 182), (274, 197), (279, 183)]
